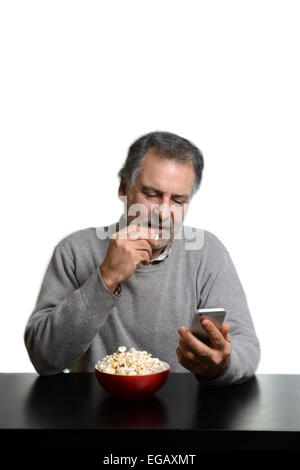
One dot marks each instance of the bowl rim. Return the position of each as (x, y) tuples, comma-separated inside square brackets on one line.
[(132, 375)]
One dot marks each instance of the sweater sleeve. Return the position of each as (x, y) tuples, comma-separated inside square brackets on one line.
[(67, 316), (221, 287)]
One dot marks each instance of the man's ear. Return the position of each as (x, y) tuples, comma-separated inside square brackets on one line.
[(122, 188)]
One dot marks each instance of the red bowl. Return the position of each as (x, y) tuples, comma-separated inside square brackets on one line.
[(133, 387)]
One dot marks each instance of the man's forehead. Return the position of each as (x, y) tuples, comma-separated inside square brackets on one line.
[(155, 156), (166, 175)]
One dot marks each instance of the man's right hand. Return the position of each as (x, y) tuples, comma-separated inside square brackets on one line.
[(124, 254)]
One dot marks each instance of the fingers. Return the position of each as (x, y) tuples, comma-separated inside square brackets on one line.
[(143, 245), (183, 360), (194, 355), (216, 337), (137, 232), (189, 355), (225, 332), (191, 346), (144, 251), (143, 257)]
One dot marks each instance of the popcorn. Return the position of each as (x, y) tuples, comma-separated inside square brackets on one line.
[(132, 362)]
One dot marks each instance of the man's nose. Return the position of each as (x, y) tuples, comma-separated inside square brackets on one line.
[(164, 210)]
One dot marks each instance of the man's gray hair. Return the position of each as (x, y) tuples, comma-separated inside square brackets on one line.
[(169, 146)]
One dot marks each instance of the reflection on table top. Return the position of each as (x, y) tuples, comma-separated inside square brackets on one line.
[(266, 405), (266, 402)]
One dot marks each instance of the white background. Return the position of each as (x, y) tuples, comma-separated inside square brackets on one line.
[(80, 80)]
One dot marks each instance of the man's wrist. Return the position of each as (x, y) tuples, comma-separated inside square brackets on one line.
[(211, 380), (113, 285)]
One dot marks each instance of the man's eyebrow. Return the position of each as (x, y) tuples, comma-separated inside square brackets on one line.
[(151, 188)]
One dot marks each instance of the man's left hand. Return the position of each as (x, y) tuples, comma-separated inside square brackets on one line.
[(208, 361)]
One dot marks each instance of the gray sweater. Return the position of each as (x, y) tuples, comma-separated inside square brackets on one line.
[(77, 320)]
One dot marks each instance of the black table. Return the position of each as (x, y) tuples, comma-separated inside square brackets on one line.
[(72, 413)]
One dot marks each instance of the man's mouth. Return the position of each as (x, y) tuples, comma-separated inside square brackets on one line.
[(160, 228), (156, 227)]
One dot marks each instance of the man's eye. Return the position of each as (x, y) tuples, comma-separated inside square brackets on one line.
[(179, 202), (151, 195)]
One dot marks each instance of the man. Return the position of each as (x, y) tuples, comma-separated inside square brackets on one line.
[(139, 282)]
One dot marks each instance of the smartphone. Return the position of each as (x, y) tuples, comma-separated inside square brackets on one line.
[(216, 315)]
